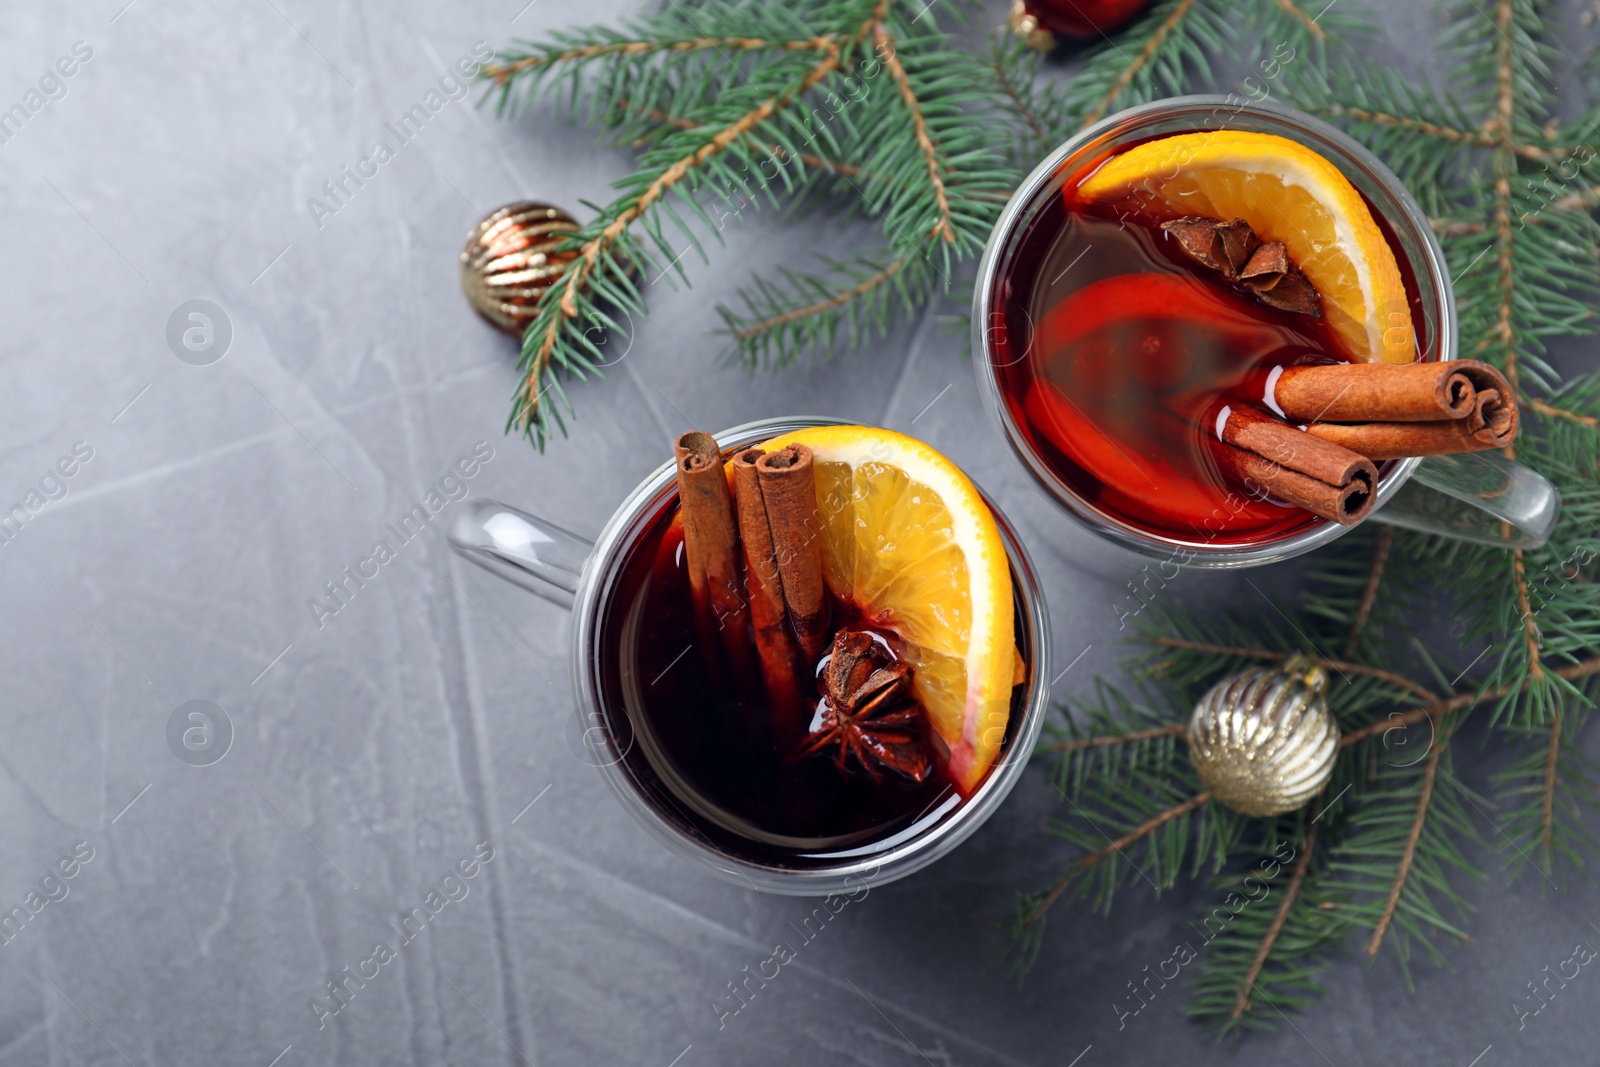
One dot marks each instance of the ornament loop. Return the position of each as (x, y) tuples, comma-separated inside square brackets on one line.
[(1308, 671)]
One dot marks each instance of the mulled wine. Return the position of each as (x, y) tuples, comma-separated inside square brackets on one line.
[(697, 731), (1135, 328)]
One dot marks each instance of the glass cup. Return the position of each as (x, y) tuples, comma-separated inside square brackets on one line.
[(575, 573), (1481, 496)]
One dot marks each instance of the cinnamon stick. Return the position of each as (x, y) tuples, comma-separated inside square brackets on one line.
[(1347, 504), (1495, 412), (1280, 443), (1492, 424), (788, 489), (774, 645), (1376, 392), (711, 546)]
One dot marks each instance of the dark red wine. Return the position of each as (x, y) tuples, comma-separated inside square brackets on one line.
[(1115, 352), (703, 752)]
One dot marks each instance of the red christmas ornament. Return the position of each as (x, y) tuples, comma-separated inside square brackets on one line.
[(1040, 22)]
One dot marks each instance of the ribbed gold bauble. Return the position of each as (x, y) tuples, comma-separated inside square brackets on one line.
[(511, 260), (1263, 741)]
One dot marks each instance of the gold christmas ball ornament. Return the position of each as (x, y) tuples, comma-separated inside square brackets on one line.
[(1263, 741), (511, 260)]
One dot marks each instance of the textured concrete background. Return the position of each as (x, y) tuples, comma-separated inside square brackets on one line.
[(371, 756)]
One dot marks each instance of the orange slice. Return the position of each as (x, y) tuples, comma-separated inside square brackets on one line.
[(1288, 193), (908, 540)]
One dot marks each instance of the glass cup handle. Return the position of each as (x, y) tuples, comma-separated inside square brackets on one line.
[(521, 548), (1480, 497)]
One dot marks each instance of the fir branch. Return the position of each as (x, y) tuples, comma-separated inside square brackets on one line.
[(1571, 672), (1166, 52), (937, 182), (805, 314), (1171, 21), (942, 229), (1404, 122), (1034, 104), (1530, 628), (604, 264), (678, 122), (1475, 138), (1151, 759), (1583, 200), (934, 154), (1402, 852), (1554, 412), (838, 300), (1504, 166), (1086, 862), (1246, 987), (1429, 773), (1336, 590), (1547, 791), (501, 73), (1117, 739), (1369, 593), (1400, 721), (1399, 681), (590, 253), (1144, 829), (1018, 95), (1286, 977), (1547, 807), (1298, 13)]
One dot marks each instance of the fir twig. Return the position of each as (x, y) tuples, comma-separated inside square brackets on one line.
[(1554, 412), (1548, 791), (1457, 227), (942, 229), (1582, 200), (677, 122), (502, 73), (606, 256), (855, 292), (1299, 14), (1430, 771), (1116, 739), (1571, 673), (1505, 161), (1242, 1003), (1552, 760), (1369, 592), (589, 254), (1014, 92), (1138, 833), (1530, 627), (1173, 19), (1337, 665), (1475, 138)]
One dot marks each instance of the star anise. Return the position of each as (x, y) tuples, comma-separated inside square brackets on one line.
[(1263, 269), (869, 721)]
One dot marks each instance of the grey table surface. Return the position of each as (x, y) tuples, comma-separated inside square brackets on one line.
[(374, 750)]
